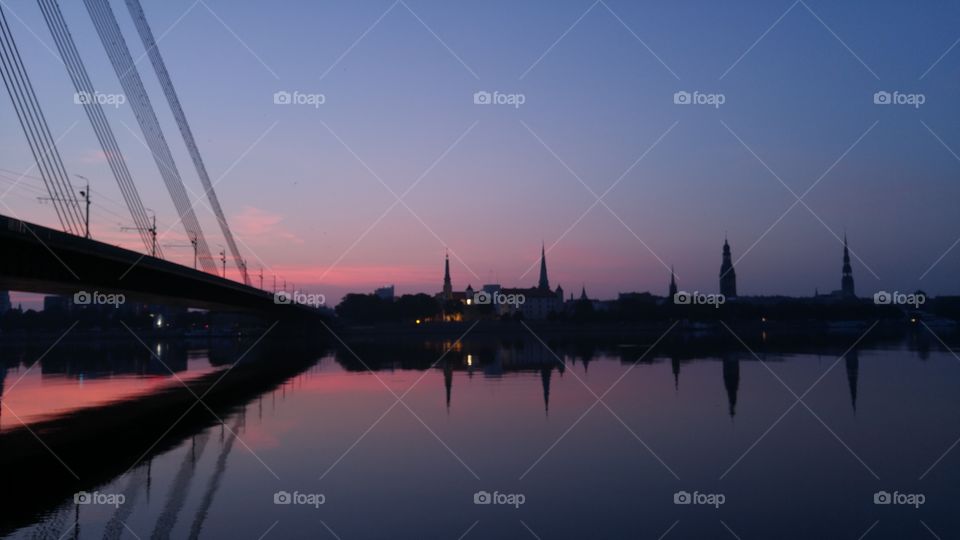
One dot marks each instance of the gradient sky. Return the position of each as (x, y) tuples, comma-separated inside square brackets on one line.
[(399, 80)]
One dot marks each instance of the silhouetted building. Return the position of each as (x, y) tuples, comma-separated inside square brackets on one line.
[(584, 304), (493, 301), (846, 282), (728, 276), (57, 304), (846, 290), (538, 302), (4, 302), (447, 285), (384, 293), (451, 301), (544, 284)]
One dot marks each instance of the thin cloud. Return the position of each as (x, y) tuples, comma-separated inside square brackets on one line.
[(257, 224)]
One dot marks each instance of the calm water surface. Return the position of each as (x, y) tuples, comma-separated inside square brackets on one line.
[(68, 380), (597, 449)]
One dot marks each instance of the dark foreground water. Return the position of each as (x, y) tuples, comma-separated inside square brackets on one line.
[(500, 440)]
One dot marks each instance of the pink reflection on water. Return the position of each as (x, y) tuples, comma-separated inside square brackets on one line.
[(30, 396)]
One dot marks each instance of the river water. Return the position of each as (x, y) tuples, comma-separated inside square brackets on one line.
[(517, 439)]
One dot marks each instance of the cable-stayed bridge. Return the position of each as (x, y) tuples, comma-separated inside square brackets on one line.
[(44, 259)]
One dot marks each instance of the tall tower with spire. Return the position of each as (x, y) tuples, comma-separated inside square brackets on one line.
[(728, 276), (544, 284), (846, 282), (673, 285), (447, 285)]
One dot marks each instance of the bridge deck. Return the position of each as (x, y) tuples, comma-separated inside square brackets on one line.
[(39, 259)]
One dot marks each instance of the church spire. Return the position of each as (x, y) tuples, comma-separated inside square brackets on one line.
[(447, 285), (846, 282), (544, 284), (728, 276)]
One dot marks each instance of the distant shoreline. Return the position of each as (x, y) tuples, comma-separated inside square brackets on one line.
[(599, 329), (609, 329)]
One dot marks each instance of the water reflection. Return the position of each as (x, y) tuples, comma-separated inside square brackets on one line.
[(507, 404), (731, 381), (40, 383), (852, 361), (496, 359)]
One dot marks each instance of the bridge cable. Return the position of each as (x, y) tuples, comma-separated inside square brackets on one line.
[(37, 132), (49, 160), (149, 138), (87, 96), (93, 109), (159, 66), (116, 47), (33, 125), (153, 136)]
